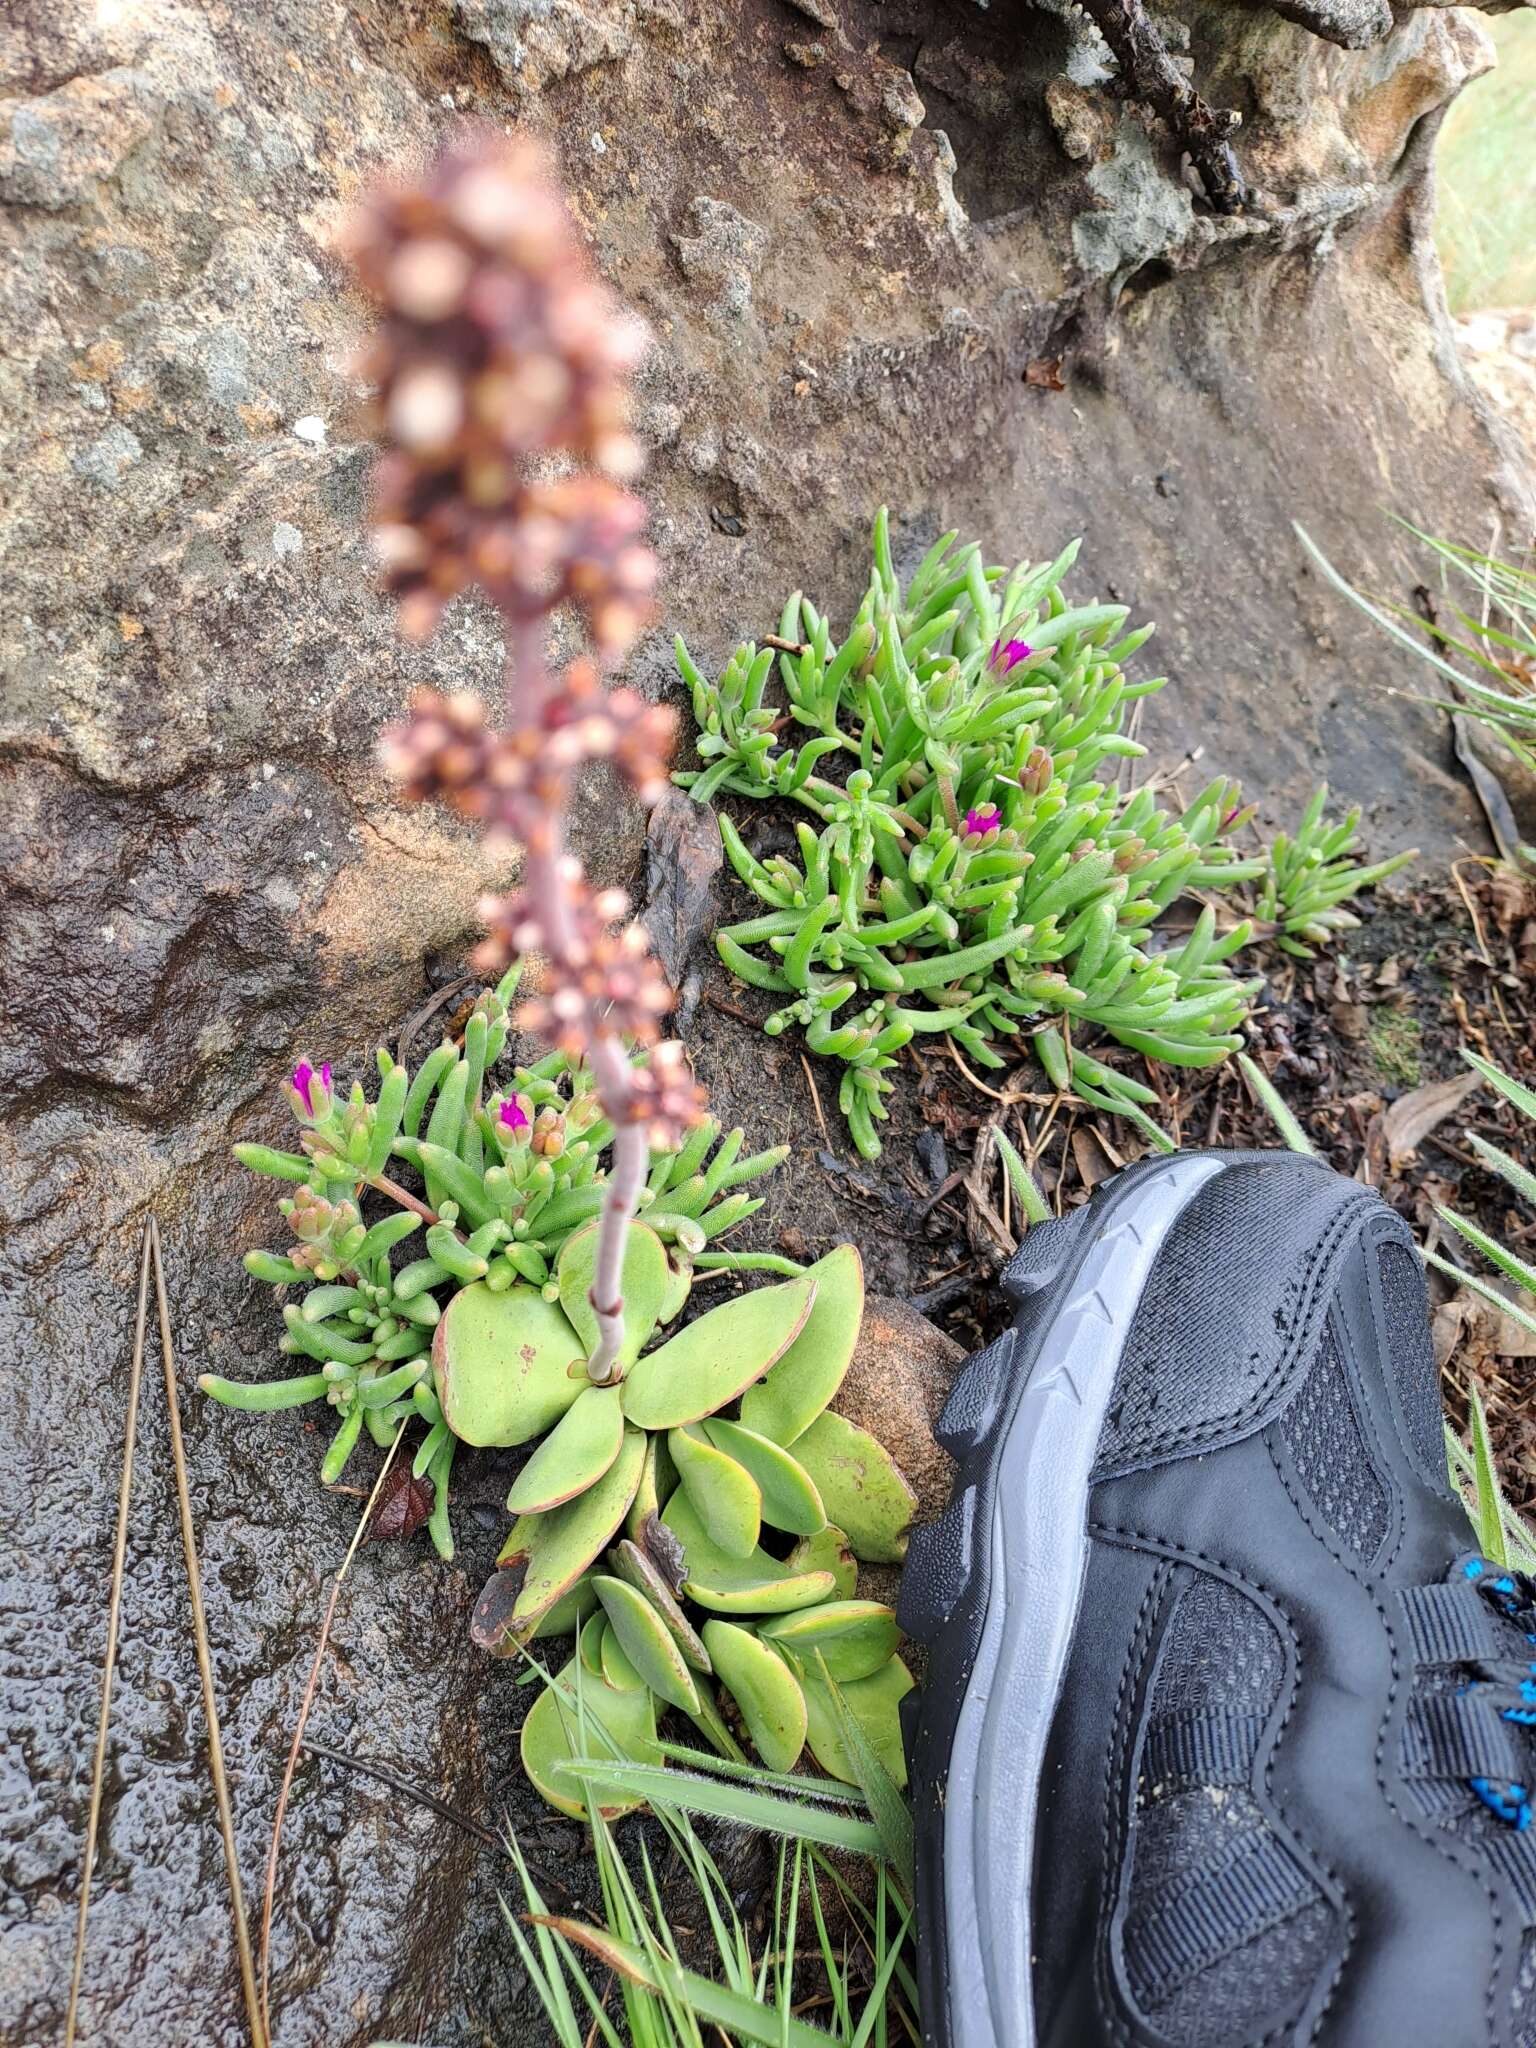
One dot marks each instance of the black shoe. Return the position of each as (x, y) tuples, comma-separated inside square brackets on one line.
[(1226, 1737)]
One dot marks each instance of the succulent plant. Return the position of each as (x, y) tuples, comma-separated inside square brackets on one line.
[(693, 1551), (511, 1183), (977, 869), (697, 1518), (1311, 877)]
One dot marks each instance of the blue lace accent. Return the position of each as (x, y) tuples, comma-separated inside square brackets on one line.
[(1510, 1802), (1516, 1600)]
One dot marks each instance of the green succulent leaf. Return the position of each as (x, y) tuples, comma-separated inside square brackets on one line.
[(874, 1704), (560, 1545), (788, 1495), (575, 1454), (568, 1612), (724, 1495), (759, 1584), (855, 1637), (828, 1551), (648, 1643), (767, 1692), (615, 1666), (658, 1477), (861, 1486), (647, 1278), (634, 1565), (501, 1364), (579, 1718), (811, 1370), (707, 1365)]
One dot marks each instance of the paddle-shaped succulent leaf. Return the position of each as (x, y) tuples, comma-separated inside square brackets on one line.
[(568, 1612), (827, 1551), (764, 1688), (724, 1495), (616, 1668), (873, 1702), (758, 1584), (707, 1365), (647, 1642), (571, 1719), (854, 1636), (575, 1454), (501, 1364), (679, 1285), (561, 1544), (789, 1497), (646, 1283), (657, 1479), (861, 1487), (810, 1372), (631, 1563)]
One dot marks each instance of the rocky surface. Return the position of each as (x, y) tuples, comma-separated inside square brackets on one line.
[(854, 229)]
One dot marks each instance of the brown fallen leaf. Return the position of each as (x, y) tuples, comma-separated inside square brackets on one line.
[(1044, 373), (1415, 1115), (403, 1505)]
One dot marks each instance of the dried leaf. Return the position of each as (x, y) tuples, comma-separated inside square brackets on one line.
[(404, 1504), (1413, 1116), (1044, 373), (664, 1551)]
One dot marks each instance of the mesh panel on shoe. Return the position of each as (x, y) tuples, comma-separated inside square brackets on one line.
[(1413, 1359), (1224, 1928), (1322, 1432), (1228, 1316)]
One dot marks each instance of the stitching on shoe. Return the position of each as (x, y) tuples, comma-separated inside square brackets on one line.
[(1319, 1271), (1310, 1857), (1110, 1832)]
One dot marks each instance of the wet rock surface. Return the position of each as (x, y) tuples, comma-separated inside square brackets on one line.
[(853, 228)]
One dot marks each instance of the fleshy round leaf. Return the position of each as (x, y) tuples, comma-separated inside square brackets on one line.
[(703, 1367), (764, 1688), (790, 1499), (828, 1551), (854, 1636), (646, 1280), (568, 1612), (657, 1479), (874, 1704), (758, 1584), (561, 1544), (648, 1644), (500, 1363), (589, 1640), (631, 1563), (575, 1454), (811, 1370), (724, 1495), (553, 1734), (860, 1485), (618, 1671)]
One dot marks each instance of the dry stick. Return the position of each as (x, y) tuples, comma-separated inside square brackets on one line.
[(253, 2011), (270, 1886), (114, 1610)]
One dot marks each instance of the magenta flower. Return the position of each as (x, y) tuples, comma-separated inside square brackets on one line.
[(977, 823), (1007, 654), (512, 1115), (304, 1079)]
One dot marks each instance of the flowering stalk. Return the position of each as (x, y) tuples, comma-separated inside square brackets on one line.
[(499, 349)]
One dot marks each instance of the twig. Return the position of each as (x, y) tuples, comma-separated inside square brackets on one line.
[(1013, 1095), (810, 1081), (399, 1783), (1151, 75), (254, 2011), (109, 1664), (270, 1886)]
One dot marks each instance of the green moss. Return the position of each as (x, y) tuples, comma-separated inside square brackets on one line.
[(1396, 1041)]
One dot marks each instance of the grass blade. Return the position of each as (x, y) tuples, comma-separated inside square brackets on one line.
[(662, 1785)]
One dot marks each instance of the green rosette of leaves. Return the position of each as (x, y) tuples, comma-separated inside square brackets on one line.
[(699, 1525), (442, 1198)]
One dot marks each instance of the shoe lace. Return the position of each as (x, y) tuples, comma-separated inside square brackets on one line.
[(1498, 1684)]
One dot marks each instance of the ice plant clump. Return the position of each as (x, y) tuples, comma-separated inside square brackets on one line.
[(498, 349)]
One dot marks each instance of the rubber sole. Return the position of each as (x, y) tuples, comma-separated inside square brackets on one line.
[(992, 1590)]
